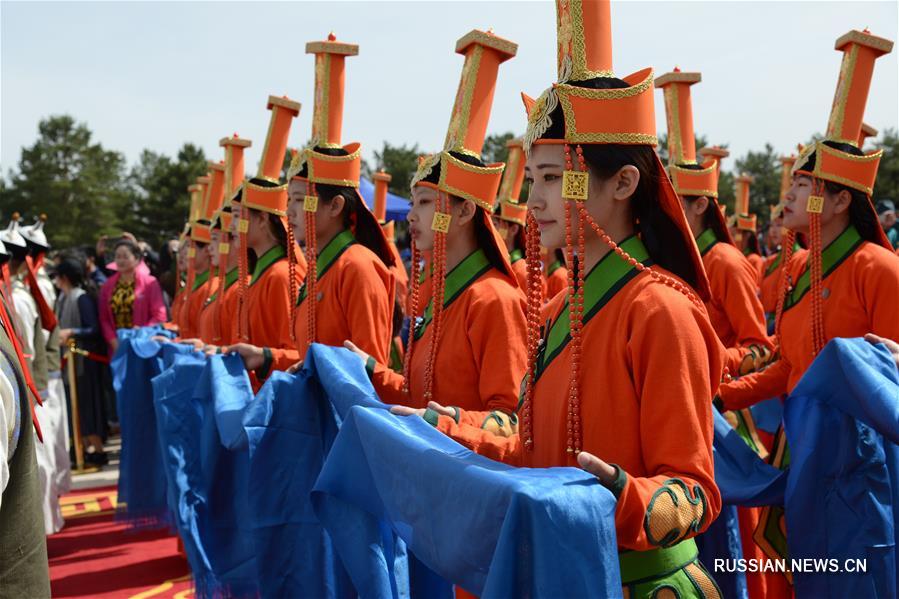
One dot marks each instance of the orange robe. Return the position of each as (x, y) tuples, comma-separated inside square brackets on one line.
[(757, 261), (190, 326), (482, 353), (556, 279), (400, 276), (355, 301), (860, 290), (520, 269), (769, 280), (208, 324), (735, 310), (268, 300), (644, 402)]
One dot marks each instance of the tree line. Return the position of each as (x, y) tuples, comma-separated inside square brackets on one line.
[(88, 190)]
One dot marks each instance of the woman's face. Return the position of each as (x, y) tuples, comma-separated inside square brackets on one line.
[(421, 215), (125, 261), (775, 232), (296, 213), (543, 171), (796, 203), (212, 250)]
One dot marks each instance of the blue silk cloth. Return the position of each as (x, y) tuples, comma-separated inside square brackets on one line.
[(142, 483), (200, 402), (841, 491), (289, 429), (494, 530), (842, 426)]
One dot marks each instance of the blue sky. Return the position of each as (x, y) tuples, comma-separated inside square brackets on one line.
[(156, 75)]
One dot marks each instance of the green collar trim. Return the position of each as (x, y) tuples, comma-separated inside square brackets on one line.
[(457, 280), (831, 257), (556, 265), (602, 283), (230, 279), (200, 279), (328, 256), (515, 255), (266, 260), (706, 240), (776, 262)]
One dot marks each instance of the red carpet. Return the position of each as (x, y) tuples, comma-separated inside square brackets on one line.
[(93, 556)]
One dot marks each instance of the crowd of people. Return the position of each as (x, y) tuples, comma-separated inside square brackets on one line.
[(508, 314)]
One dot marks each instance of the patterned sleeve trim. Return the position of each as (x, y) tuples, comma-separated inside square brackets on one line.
[(675, 512)]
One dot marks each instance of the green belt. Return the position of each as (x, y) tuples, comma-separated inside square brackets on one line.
[(637, 566)]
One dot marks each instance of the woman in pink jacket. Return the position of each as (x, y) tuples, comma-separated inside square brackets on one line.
[(130, 298)]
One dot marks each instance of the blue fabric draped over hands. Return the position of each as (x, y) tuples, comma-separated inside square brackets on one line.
[(495, 530), (142, 483), (200, 402)]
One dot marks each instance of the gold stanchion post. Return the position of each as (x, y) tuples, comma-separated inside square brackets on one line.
[(76, 415)]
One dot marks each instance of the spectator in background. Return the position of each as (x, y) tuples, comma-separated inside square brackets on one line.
[(76, 310), (886, 212), (131, 297), (167, 269), (94, 273)]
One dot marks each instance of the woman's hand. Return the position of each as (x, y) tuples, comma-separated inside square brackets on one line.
[(64, 335), (353, 348), (295, 368), (198, 344), (252, 355), (891, 345), (432, 405), (598, 468)]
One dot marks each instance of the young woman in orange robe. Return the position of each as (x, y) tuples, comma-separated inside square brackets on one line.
[(636, 394), (555, 273), (468, 347), (348, 292), (352, 294), (266, 300)]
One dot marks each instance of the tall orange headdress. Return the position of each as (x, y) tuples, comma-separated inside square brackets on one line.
[(592, 110), (744, 220), (210, 203), (825, 163), (381, 181), (866, 132), (786, 178), (458, 171), (324, 162), (688, 176), (233, 180), (508, 207), (265, 193)]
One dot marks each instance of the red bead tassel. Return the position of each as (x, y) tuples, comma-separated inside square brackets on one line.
[(311, 273), (292, 269), (785, 285), (438, 287), (534, 305), (243, 267), (407, 358), (814, 256)]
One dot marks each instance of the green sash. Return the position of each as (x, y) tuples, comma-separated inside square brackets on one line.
[(602, 283), (327, 257), (265, 262), (833, 255), (515, 255), (457, 280)]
